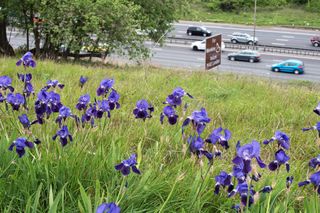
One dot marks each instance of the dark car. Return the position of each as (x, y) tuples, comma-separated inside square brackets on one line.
[(315, 41), (245, 55), (198, 31)]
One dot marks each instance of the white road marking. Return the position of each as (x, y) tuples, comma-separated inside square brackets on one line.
[(180, 31), (178, 35), (246, 29), (286, 36), (157, 49), (281, 44), (229, 35), (276, 60), (200, 59), (281, 39)]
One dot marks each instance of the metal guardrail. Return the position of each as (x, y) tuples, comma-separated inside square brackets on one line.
[(259, 47)]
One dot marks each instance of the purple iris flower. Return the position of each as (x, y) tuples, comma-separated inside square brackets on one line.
[(83, 102), (108, 208), (225, 180), (196, 145), (246, 153), (26, 78), (105, 86), (102, 107), (170, 113), (28, 89), (82, 81), (280, 159), (143, 110), (54, 101), (125, 165), (89, 115), (64, 113), (27, 60), (53, 84), (46, 103), (20, 144), (282, 138), (217, 137), (175, 99), (317, 109), (15, 100), (314, 162), (24, 120), (238, 172), (314, 179), (198, 120), (289, 181), (113, 100), (242, 189), (266, 189), (63, 134), (316, 127), (5, 83)]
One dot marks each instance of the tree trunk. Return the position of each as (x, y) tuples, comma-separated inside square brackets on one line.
[(5, 47)]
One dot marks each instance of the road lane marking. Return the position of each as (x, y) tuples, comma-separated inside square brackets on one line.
[(279, 44), (286, 36), (244, 29), (200, 59), (281, 39), (180, 31)]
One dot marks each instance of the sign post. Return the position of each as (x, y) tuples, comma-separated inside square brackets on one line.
[(213, 52)]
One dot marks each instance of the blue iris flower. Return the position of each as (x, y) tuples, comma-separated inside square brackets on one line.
[(170, 113), (199, 119), (27, 60), (246, 153), (125, 165), (282, 138), (108, 208), (21, 144)]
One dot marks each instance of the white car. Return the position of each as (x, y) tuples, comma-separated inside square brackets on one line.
[(201, 45)]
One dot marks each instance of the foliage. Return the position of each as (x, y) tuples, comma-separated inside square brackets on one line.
[(74, 24), (80, 176)]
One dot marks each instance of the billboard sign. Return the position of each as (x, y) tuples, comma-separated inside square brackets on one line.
[(213, 51)]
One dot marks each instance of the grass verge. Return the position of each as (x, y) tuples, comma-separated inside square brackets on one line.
[(81, 175)]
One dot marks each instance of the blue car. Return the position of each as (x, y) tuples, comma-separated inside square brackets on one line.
[(290, 66)]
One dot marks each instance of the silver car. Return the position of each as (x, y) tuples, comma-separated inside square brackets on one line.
[(243, 38)]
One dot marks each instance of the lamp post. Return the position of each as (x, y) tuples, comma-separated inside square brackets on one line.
[(254, 23)]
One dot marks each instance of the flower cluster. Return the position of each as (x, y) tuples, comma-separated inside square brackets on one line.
[(173, 101)]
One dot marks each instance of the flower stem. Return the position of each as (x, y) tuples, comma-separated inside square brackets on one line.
[(200, 188)]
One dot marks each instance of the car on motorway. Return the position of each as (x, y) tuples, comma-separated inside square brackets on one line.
[(245, 55), (201, 45), (198, 31), (243, 38), (290, 66), (315, 40)]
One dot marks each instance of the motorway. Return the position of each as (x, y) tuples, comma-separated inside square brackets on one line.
[(182, 57), (275, 36)]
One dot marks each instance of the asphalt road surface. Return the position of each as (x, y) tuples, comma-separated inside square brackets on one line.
[(183, 57), (276, 36)]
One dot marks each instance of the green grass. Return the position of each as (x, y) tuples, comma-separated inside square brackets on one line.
[(287, 16), (80, 176)]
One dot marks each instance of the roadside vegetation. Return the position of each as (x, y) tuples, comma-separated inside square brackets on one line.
[(79, 175), (269, 13)]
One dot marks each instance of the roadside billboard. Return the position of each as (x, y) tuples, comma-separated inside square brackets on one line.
[(213, 51)]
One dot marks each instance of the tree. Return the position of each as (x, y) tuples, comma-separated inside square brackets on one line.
[(5, 47)]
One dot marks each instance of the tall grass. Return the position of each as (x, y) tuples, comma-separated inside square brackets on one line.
[(80, 176)]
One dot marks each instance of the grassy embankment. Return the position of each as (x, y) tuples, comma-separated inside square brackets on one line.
[(81, 175), (290, 16)]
